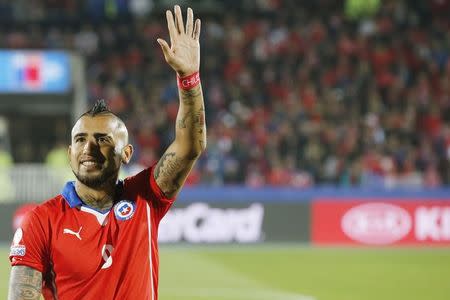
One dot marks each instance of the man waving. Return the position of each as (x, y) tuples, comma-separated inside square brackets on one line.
[(98, 238)]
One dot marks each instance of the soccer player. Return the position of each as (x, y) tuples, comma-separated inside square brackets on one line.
[(98, 238)]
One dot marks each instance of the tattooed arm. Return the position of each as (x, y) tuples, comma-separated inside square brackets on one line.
[(176, 163), (25, 283), (190, 140)]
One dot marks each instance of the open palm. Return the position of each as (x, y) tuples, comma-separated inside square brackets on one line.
[(183, 55)]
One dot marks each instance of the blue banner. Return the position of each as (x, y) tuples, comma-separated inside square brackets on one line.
[(29, 71), (281, 194)]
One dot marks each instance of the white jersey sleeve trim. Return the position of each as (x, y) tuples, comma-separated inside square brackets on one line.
[(149, 225)]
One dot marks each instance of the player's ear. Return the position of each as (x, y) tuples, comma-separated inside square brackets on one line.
[(126, 154), (69, 151)]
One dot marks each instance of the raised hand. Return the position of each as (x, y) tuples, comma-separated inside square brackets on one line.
[(183, 55)]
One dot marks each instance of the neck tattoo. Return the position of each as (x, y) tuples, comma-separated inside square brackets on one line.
[(103, 203)]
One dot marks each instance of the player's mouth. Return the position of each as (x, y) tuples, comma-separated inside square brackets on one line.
[(91, 163)]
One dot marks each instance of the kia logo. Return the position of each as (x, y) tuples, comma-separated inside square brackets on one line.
[(376, 223)]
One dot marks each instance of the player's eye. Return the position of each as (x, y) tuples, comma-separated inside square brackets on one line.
[(79, 139), (102, 140)]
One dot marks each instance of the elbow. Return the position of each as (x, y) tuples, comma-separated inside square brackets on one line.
[(198, 149), (190, 147), (194, 152), (203, 146)]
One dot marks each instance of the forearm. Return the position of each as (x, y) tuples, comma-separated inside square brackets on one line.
[(25, 283), (190, 140), (190, 136)]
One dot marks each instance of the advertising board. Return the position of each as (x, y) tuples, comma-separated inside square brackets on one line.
[(252, 222), (380, 222), (30, 71)]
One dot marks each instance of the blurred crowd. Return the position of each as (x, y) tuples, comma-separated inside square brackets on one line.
[(298, 93)]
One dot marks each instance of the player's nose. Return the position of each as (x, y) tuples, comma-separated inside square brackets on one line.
[(90, 146)]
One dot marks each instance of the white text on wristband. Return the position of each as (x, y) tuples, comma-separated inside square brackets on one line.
[(188, 82)]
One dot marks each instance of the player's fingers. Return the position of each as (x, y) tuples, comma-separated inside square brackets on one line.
[(165, 48), (197, 26), (179, 19), (189, 22), (171, 26)]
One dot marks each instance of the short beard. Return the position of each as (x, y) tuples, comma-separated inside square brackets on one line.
[(98, 181)]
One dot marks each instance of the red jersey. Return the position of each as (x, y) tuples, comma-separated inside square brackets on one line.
[(83, 253)]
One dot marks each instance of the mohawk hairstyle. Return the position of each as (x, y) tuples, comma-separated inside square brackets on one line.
[(100, 108)]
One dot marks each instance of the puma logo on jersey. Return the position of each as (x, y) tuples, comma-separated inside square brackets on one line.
[(77, 234)]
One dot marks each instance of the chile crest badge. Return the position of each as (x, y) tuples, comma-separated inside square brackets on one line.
[(124, 210)]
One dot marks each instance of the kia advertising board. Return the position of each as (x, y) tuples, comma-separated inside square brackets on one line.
[(380, 222)]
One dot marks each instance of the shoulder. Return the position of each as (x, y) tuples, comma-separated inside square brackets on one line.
[(138, 179), (138, 184), (55, 203), (144, 184), (50, 208)]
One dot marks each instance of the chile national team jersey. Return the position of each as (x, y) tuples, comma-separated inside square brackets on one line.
[(86, 254)]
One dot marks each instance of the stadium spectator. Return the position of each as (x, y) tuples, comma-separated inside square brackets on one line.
[(339, 93)]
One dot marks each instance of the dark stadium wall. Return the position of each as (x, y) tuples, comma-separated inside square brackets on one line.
[(7, 212)]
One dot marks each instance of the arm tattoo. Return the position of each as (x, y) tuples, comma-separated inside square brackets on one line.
[(190, 96), (25, 283), (200, 122), (170, 172), (161, 163), (198, 119), (190, 140), (182, 121), (191, 115)]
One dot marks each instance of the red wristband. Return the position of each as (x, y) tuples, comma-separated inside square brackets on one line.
[(188, 82)]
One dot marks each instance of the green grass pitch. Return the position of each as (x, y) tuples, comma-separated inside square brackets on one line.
[(291, 272)]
